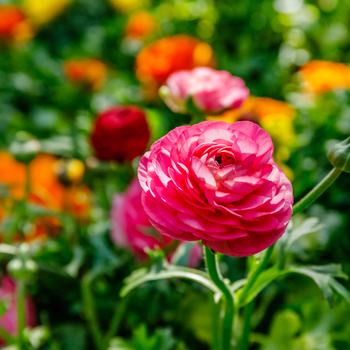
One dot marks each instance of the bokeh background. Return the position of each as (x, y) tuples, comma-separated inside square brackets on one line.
[(64, 62)]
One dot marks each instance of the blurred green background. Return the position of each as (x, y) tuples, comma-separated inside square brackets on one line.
[(264, 42)]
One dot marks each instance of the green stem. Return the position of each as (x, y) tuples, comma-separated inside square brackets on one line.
[(215, 325), (89, 309), (244, 345), (21, 318), (117, 318), (252, 278), (75, 135), (316, 191), (214, 273)]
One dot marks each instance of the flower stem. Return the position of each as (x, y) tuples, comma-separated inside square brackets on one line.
[(21, 318), (316, 191), (215, 317), (214, 273), (90, 311), (252, 278), (244, 344), (117, 318)]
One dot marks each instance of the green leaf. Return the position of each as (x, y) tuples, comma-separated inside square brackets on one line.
[(143, 275), (71, 337), (334, 270), (119, 344), (73, 267), (37, 336), (323, 277), (161, 339), (105, 261), (310, 225), (264, 279)]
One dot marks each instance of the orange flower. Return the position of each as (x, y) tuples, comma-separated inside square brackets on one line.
[(140, 25), (323, 76), (261, 107), (163, 57), (14, 24), (86, 71), (45, 190)]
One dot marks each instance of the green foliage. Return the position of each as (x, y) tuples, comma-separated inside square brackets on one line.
[(161, 339), (265, 45)]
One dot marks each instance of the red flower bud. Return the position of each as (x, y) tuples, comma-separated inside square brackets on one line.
[(120, 133)]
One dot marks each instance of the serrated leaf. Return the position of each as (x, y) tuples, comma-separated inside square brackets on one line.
[(330, 269), (322, 275), (325, 281)]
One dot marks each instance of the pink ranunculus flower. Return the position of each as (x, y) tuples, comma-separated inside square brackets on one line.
[(217, 182), (8, 321), (212, 91), (131, 228)]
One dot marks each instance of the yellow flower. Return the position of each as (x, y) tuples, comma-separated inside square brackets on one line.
[(323, 76), (43, 11), (280, 128)]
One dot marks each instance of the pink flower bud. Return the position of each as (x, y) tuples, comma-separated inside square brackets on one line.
[(131, 228), (212, 91)]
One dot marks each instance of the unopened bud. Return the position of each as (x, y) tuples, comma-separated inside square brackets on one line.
[(25, 148), (339, 155), (22, 268)]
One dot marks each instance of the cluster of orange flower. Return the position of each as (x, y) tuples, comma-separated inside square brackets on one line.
[(89, 72), (47, 189), (14, 24), (163, 57), (322, 76)]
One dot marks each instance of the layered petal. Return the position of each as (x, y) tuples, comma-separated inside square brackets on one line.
[(217, 182)]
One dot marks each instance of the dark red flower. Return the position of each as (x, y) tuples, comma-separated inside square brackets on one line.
[(120, 133)]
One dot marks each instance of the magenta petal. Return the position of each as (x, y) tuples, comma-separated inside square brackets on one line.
[(202, 173), (217, 182)]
